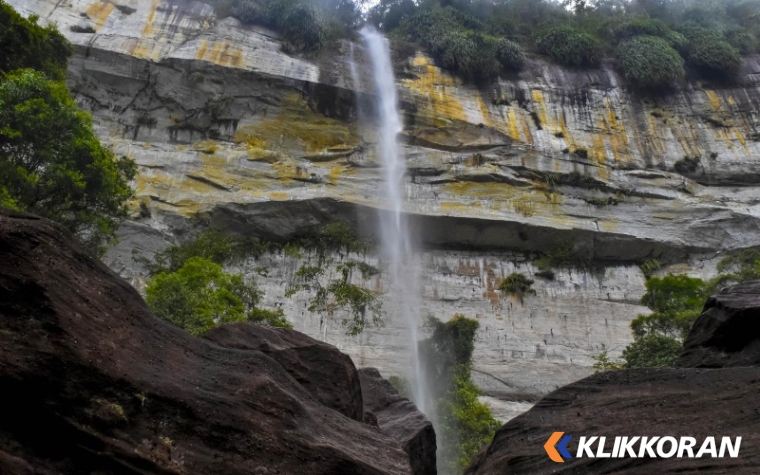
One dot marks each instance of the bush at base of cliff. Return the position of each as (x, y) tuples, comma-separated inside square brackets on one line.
[(676, 302), (51, 162), (465, 424), (650, 62), (200, 295), (653, 351), (570, 47)]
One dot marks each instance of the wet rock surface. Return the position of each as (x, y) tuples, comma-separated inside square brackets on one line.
[(398, 417), (93, 383), (692, 401)]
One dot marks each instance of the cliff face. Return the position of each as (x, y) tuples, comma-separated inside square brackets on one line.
[(228, 128)]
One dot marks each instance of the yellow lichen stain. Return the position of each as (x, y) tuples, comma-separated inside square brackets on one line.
[(524, 207), (430, 85), (714, 99), (526, 129), (298, 124), (148, 30), (609, 226), (566, 133), (221, 53), (278, 195), (98, 12), (540, 107), (740, 137), (731, 101), (447, 206), (287, 170), (484, 111), (334, 175), (201, 50), (512, 129)]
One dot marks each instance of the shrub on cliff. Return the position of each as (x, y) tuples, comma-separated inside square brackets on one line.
[(709, 52), (649, 62), (517, 285), (200, 295), (51, 162), (458, 43), (569, 46), (305, 25), (215, 245)]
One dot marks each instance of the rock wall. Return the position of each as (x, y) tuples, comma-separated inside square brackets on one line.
[(228, 129)]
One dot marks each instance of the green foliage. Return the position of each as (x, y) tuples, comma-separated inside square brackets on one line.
[(340, 293), (570, 47), (25, 44), (676, 301), (560, 256), (200, 295), (213, 244), (674, 293), (401, 385), (517, 285), (306, 25), (450, 344), (741, 266), (649, 267), (649, 62), (709, 52), (652, 351), (603, 363), (51, 162), (455, 40), (466, 424)]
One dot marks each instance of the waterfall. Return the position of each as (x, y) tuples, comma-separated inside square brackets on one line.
[(396, 238)]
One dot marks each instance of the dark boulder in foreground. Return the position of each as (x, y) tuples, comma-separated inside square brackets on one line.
[(681, 402), (728, 331), (398, 417), (92, 383), (327, 374)]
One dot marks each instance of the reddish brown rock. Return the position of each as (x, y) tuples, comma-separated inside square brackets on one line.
[(398, 417), (728, 331), (93, 383), (327, 374)]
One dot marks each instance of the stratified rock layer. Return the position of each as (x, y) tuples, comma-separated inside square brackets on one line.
[(93, 383), (398, 417), (683, 402)]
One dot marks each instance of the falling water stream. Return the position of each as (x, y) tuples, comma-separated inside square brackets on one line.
[(396, 237)]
